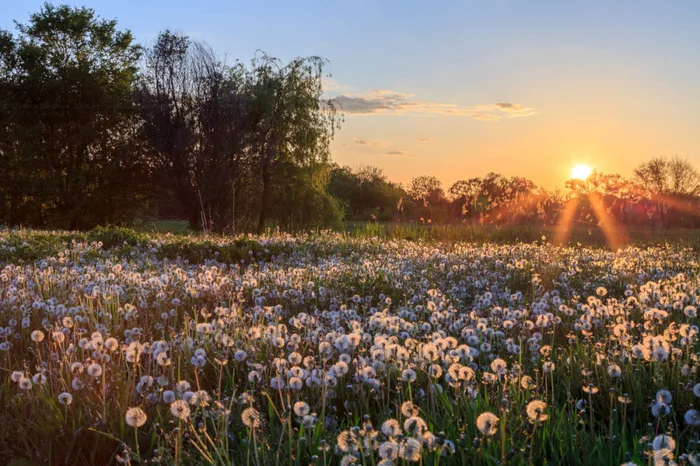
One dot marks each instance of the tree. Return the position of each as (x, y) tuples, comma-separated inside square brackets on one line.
[(68, 151), (196, 118), (493, 191), (669, 176), (301, 198), (291, 121), (431, 204), (365, 193), (426, 190), (465, 190), (602, 184), (672, 187), (464, 194)]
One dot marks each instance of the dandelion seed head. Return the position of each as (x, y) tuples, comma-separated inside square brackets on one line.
[(251, 418), (487, 423), (135, 417), (180, 409)]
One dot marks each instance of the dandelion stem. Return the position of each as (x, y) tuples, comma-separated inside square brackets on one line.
[(136, 439), (532, 441)]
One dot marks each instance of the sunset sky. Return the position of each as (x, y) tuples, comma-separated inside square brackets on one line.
[(456, 89)]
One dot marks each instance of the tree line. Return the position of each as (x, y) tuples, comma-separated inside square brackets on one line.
[(664, 192), (96, 129)]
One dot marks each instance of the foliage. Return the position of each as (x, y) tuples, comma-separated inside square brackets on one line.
[(68, 155), (367, 194), (670, 176), (197, 124), (87, 138), (292, 123)]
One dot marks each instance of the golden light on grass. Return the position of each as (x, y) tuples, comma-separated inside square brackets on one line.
[(581, 171)]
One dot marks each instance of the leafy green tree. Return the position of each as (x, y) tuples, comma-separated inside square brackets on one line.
[(426, 190), (68, 151), (292, 123), (366, 193), (301, 199), (464, 194)]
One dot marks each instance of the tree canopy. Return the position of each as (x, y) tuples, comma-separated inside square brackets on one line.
[(69, 155)]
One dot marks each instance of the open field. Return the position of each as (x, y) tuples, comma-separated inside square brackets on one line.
[(127, 347), (509, 234)]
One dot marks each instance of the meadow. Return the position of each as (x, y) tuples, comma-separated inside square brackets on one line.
[(369, 347)]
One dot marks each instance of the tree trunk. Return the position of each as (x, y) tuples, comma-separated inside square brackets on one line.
[(265, 197)]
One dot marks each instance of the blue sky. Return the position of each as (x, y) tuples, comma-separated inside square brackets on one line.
[(607, 83)]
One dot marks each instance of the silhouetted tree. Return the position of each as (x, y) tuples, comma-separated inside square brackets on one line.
[(196, 118), (672, 187), (669, 176), (429, 197)]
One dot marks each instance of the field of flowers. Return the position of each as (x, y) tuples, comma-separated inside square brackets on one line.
[(119, 348)]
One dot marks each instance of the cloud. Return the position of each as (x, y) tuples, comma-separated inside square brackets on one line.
[(398, 153), (329, 84), (514, 110), (425, 140), (364, 105), (486, 116), (508, 106), (386, 102), (364, 142)]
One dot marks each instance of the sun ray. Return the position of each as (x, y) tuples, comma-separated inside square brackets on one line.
[(613, 231), (563, 228)]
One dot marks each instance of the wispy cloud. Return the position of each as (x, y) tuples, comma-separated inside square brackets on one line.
[(369, 143), (377, 147), (423, 140), (385, 102), (514, 109), (329, 84), (399, 153)]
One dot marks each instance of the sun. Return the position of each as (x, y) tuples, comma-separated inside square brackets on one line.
[(581, 172)]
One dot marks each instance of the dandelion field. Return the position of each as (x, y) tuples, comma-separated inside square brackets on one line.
[(126, 348)]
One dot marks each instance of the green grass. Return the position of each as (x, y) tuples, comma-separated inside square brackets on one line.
[(511, 234), (163, 226)]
